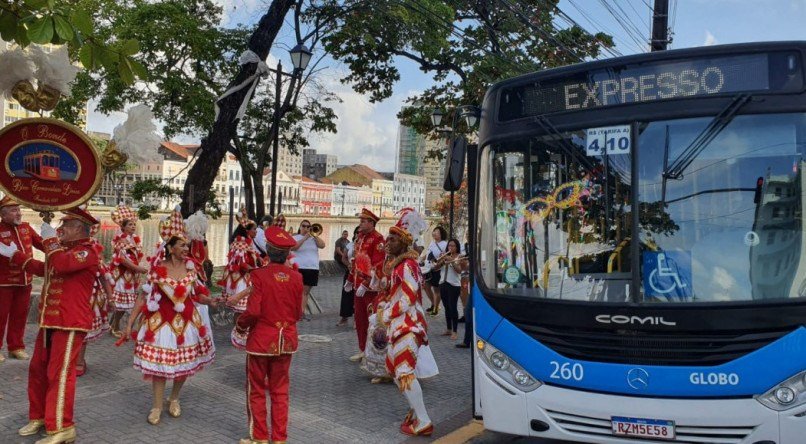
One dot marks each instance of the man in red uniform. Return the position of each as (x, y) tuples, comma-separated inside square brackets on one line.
[(65, 317), (15, 284), (369, 255), (270, 320)]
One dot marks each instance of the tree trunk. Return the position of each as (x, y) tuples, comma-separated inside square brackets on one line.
[(215, 145), (260, 194), (248, 191)]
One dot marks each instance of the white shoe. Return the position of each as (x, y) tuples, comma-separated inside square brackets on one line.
[(357, 357)]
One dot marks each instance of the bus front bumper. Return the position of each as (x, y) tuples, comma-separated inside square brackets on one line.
[(586, 417)]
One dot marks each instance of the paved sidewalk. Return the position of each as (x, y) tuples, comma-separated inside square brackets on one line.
[(332, 400)]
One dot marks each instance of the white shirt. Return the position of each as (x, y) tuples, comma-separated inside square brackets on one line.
[(260, 240), (438, 249), (307, 257), (450, 275)]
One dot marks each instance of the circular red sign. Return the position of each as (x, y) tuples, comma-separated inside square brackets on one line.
[(48, 165)]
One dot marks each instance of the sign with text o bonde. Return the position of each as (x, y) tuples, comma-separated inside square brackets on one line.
[(48, 165)]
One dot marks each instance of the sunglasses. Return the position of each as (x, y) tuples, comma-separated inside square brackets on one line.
[(305, 226)]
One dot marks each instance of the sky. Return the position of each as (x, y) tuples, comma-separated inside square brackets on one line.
[(367, 132)]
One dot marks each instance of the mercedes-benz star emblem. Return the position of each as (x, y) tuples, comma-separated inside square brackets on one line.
[(638, 378)]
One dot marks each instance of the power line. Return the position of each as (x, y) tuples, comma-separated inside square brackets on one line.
[(525, 20), (612, 51), (598, 25), (631, 32)]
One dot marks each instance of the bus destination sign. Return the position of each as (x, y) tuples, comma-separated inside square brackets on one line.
[(646, 82)]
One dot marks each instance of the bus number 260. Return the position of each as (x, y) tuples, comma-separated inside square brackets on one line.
[(567, 371)]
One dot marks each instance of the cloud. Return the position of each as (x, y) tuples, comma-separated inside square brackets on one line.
[(241, 11), (367, 132), (710, 40)]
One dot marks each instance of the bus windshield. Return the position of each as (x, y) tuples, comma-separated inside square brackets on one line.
[(719, 212)]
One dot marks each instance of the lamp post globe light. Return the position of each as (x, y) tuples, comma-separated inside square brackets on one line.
[(300, 57)]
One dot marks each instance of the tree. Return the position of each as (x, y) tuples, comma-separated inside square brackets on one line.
[(71, 23), (460, 211), (218, 140), (467, 45), (252, 143)]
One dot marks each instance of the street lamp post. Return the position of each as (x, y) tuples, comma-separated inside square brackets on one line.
[(300, 56), (471, 115)]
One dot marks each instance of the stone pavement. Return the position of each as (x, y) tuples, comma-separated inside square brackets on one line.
[(332, 400)]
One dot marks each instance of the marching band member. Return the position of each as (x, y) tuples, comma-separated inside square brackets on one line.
[(15, 284), (408, 355), (175, 339), (101, 293), (65, 318), (270, 325), (369, 255), (307, 259), (242, 258), (125, 265)]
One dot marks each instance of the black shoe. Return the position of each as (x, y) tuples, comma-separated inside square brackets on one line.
[(462, 320), (462, 345), (430, 309)]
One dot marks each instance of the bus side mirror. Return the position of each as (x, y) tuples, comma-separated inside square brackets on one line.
[(455, 164)]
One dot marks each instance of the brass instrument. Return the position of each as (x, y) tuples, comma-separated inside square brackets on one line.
[(316, 229)]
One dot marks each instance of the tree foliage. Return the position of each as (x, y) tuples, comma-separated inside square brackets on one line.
[(75, 24), (466, 44)]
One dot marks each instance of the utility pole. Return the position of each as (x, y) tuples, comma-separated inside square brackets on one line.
[(660, 25)]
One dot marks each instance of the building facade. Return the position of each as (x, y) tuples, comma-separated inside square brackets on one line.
[(434, 173), (410, 151), (409, 191), (316, 197), (288, 193), (317, 166), (289, 162)]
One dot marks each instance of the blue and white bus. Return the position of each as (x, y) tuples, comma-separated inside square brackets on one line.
[(639, 263)]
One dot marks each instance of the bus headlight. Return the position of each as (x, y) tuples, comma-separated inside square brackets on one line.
[(788, 394), (506, 368), (499, 360)]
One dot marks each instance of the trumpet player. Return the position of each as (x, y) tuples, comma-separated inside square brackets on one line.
[(306, 256), (450, 285)]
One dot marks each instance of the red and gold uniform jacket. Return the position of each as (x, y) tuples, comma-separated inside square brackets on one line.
[(25, 238), (369, 255), (274, 308), (72, 269)]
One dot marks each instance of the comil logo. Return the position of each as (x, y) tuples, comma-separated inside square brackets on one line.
[(638, 320)]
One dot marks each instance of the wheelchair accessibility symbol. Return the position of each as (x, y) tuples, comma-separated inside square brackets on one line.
[(667, 274)]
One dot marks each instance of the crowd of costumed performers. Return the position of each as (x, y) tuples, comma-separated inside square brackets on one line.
[(243, 257), (169, 321), (127, 253), (174, 340)]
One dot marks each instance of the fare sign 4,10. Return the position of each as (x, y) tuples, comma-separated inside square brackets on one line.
[(611, 140)]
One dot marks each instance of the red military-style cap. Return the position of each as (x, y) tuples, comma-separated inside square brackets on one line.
[(7, 201), (81, 215), (366, 214), (279, 238)]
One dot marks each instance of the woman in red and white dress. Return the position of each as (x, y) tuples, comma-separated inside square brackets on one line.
[(175, 339), (242, 258), (125, 266)]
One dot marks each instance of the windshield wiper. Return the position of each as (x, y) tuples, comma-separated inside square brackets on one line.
[(717, 124)]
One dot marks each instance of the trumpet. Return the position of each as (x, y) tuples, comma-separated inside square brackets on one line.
[(316, 229), (443, 259)]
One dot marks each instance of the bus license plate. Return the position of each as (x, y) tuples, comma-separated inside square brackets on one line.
[(642, 427)]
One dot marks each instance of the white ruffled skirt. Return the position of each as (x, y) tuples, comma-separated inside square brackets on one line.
[(165, 358)]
